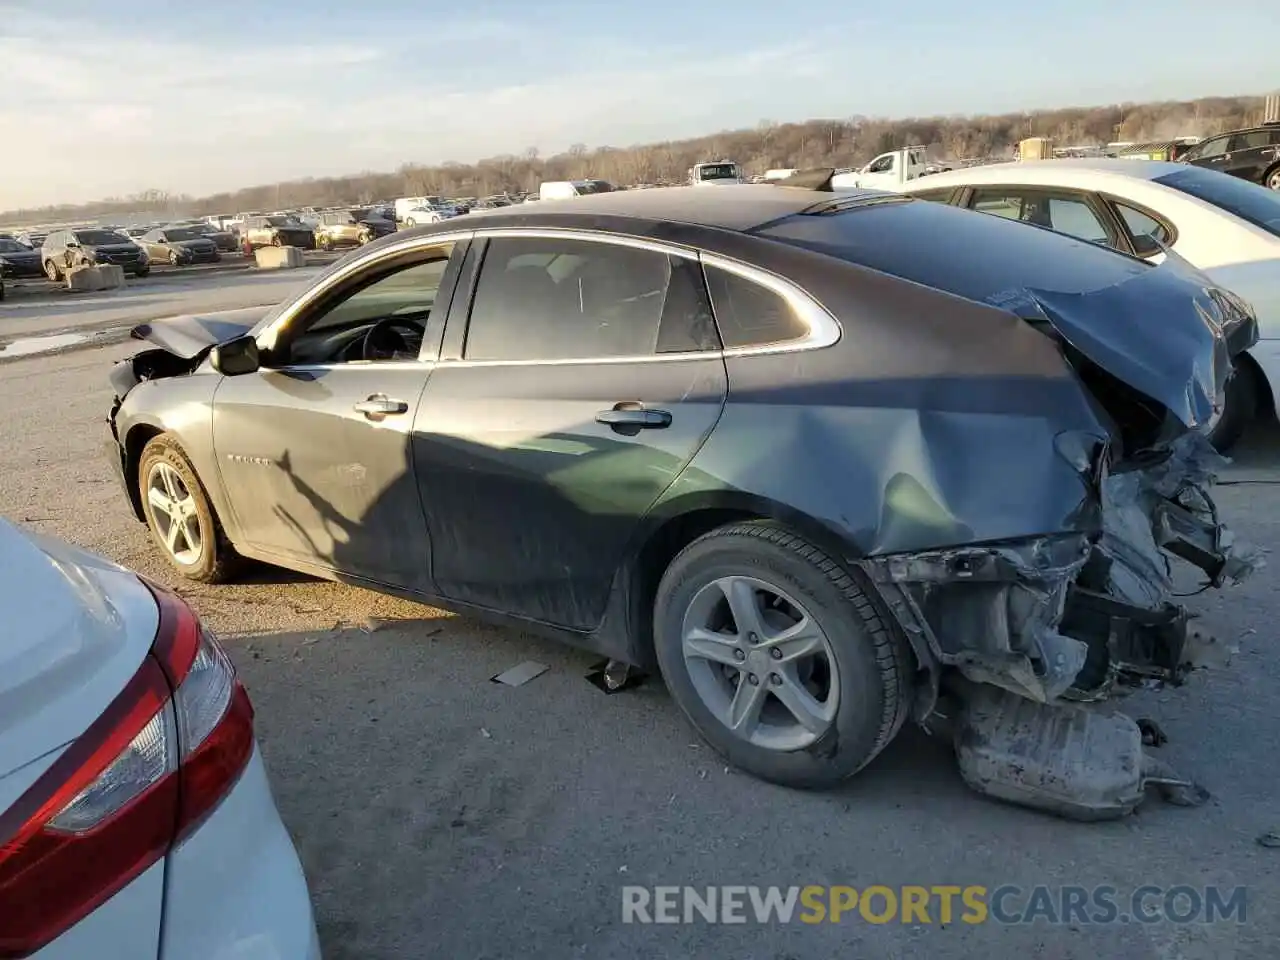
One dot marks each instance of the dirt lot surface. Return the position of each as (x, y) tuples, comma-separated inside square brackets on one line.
[(441, 815)]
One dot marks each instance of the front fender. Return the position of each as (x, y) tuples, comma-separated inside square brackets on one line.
[(181, 406)]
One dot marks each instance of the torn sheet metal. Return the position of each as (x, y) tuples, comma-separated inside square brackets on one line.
[(1174, 348), (1076, 615)]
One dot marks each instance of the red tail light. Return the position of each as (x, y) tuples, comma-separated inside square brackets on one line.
[(141, 778)]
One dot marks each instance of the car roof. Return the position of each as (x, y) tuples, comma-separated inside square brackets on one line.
[(739, 207), (1081, 172)]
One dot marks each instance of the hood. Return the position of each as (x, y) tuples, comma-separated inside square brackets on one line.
[(1169, 332), (78, 626), (189, 336)]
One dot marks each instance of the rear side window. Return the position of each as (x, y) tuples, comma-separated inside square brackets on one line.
[(1141, 224), (542, 298), (750, 315)]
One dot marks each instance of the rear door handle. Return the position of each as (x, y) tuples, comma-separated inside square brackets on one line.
[(380, 405), (639, 418)]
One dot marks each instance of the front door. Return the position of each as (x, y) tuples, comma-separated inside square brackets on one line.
[(588, 379), (314, 448)]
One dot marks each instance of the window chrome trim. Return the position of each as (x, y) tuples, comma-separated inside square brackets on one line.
[(596, 236), (312, 294), (824, 329)]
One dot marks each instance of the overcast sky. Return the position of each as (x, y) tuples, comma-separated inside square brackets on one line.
[(103, 98)]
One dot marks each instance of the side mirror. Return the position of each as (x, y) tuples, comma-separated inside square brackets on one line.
[(235, 357)]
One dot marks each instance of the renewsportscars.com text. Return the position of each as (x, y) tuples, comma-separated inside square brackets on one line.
[(944, 904)]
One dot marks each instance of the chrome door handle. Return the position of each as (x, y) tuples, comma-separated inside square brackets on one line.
[(379, 405)]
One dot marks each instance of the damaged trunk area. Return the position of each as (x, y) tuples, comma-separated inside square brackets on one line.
[(1018, 637), (1075, 616)]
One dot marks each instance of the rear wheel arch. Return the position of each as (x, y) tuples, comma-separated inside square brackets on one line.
[(1264, 389), (665, 537)]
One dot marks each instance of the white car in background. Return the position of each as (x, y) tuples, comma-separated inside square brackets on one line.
[(135, 815), (417, 216), (1223, 225)]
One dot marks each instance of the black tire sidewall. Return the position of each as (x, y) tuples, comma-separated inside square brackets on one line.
[(164, 449), (852, 740), (1240, 403)]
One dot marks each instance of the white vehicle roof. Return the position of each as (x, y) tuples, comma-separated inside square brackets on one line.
[(1083, 172)]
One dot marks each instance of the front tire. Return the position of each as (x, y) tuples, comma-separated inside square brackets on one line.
[(179, 515), (410, 223), (1272, 179), (779, 658), (51, 271)]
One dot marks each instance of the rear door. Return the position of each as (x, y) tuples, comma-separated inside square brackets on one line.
[(582, 380), (1251, 154)]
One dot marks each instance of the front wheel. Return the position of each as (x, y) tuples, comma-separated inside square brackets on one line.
[(51, 271), (179, 514), (175, 260), (411, 223), (778, 656), (1273, 179)]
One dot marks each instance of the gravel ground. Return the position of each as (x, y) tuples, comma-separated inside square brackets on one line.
[(439, 814)]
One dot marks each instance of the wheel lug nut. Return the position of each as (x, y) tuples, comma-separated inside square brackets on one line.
[(753, 679), (752, 639), (775, 653), (739, 655), (775, 679)]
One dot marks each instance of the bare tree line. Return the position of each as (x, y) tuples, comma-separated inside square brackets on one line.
[(813, 143)]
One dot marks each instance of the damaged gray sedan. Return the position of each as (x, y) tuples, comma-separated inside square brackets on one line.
[(826, 461)]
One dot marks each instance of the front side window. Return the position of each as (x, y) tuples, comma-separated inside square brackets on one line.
[(749, 314), (1210, 148), (1063, 213), (881, 164), (561, 299), (383, 316)]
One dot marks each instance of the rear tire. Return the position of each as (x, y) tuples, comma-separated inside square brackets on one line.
[(1272, 179), (861, 657), (1241, 405), (165, 474), (51, 271)]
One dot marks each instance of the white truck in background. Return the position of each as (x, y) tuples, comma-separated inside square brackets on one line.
[(889, 171), (714, 173)]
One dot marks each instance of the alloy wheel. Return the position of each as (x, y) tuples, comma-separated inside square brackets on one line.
[(173, 512), (760, 663), (1273, 181)]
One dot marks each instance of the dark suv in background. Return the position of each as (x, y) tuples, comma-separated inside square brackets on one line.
[(91, 246), (1251, 154)]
